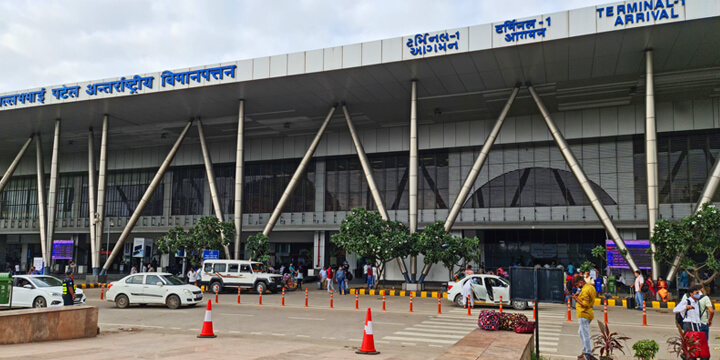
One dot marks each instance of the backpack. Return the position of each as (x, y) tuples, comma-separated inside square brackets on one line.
[(349, 276), (644, 287), (679, 318), (489, 320)]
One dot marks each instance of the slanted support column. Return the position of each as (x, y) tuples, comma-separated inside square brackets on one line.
[(211, 180), (708, 191), (146, 197), (14, 164), (413, 173), (474, 172), (367, 169), (101, 184), (94, 237), (296, 176), (41, 202), (583, 180), (239, 177), (651, 162), (52, 195)]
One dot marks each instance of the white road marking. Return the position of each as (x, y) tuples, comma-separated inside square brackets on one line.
[(176, 328), (302, 318), (434, 330), (387, 323), (397, 338), (542, 349), (382, 342), (439, 327), (248, 315), (133, 325), (409, 344), (408, 333), (329, 338), (256, 333), (235, 332), (433, 345), (273, 334), (354, 339), (303, 336), (468, 326), (548, 343)]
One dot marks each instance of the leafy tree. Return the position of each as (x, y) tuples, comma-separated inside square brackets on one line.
[(600, 252), (258, 247), (696, 238), (440, 247), (206, 235), (586, 266), (366, 234)]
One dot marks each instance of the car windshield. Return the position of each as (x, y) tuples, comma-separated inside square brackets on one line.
[(506, 281), (259, 267), (46, 281), (173, 280)]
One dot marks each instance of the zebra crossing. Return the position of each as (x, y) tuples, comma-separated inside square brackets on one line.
[(442, 330)]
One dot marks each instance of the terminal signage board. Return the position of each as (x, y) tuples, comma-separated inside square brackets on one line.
[(638, 249), (62, 249), (211, 255)]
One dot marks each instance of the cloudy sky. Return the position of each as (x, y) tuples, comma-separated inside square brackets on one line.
[(53, 42)]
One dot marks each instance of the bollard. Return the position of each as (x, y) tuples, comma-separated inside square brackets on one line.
[(534, 313), (501, 304), (644, 315), (102, 292), (411, 301), (283, 296), (260, 296), (569, 319), (216, 294), (468, 305), (238, 295), (357, 302), (331, 298), (306, 297), (383, 300), (605, 311), (439, 309)]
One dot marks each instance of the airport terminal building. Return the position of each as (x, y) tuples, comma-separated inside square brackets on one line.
[(573, 128)]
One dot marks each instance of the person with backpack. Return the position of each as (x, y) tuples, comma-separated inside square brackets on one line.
[(688, 315)]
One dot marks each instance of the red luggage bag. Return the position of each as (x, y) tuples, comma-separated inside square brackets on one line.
[(702, 349)]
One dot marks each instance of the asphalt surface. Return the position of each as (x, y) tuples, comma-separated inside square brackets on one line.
[(269, 330)]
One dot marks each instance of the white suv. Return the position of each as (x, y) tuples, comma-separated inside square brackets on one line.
[(219, 274)]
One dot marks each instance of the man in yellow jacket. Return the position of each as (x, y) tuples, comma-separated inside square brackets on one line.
[(584, 307)]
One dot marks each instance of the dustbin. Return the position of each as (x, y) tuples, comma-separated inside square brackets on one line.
[(611, 284), (5, 288)]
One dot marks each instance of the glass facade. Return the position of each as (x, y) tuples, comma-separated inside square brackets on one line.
[(188, 191), (19, 199), (124, 191), (684, 164)]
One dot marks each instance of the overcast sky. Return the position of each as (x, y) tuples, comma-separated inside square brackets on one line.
[(46, 43)]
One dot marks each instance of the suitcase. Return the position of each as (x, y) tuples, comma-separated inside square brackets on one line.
[(701, 349), (631, 303)]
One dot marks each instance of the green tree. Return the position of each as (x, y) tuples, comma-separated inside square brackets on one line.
[(258, 248), (366, 234), (440, 247), (696, 238), (206, 235), (600, 252)]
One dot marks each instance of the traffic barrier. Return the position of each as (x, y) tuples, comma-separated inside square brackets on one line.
[(644, 315), (605, 311), (439, 306), (357, 302), (534, 312), (468, 305), (368, 343), (102, 292), (501, 304), (383, 292), (207, 329), (331, 298), (283, 296), (216, 294), (238, 295), (569, 319), (411, 310), (306, 297), (260, 296)]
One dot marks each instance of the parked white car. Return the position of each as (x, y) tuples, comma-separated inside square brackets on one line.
[(219, 274), (40, 291), (153, 288), (487, 290)]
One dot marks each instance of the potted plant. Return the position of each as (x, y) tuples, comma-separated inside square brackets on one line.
[(646, 349), (682, 345), (606, 342)]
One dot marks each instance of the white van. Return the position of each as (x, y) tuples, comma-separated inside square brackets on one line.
[(220, 274)]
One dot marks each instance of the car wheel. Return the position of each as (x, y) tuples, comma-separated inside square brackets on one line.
[(519, 305), (459, 300), (173, 302), (122, 301), (39, 302), (260, 287), (215, 287)]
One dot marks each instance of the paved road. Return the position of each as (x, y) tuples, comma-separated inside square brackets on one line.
[(322, 332)]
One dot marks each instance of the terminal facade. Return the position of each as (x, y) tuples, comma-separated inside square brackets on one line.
[(631, 92)]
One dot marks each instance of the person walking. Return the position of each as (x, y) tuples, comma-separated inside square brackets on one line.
[(340, 275), (323, 278), (68, 294), (330, 278), (585, 315), (690, 310), (192, 277), (369, 275), (637, 286), (365, 267)]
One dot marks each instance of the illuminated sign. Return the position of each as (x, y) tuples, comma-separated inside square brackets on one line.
[(638, 249), (62, 249)]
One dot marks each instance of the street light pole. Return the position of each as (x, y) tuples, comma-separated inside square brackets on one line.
[(107, 249)]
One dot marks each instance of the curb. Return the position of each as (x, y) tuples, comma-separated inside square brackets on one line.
[(422, 294), (91, 286)]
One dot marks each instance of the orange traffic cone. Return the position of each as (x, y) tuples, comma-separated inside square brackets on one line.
[(207, 330), (368, 344)]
